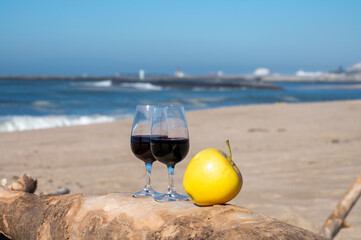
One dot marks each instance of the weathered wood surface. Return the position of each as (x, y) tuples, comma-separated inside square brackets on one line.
[(120, 216), (336, 220)]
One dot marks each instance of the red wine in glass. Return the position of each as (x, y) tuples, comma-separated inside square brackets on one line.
[(169, 143), (140, 145), (170, 151)]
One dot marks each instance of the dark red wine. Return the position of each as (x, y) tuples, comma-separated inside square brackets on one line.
[(140, 146), (169, 151)]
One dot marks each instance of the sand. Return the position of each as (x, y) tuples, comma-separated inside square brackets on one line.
[(297, 160)]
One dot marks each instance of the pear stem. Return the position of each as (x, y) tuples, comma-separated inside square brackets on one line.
[(230, 153)]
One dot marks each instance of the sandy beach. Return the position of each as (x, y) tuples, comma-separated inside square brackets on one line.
[(297, 160)]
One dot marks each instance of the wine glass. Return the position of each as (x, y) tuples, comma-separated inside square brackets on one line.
[(140, 144), (169, 143)]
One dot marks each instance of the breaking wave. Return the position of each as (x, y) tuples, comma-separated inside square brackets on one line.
[(22, 123), (141, 86), (103, 83)]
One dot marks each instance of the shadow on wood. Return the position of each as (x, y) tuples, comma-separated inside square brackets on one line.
[(2, 237)]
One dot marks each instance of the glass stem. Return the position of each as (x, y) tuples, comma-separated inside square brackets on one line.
[(171, 188), (148, 172)]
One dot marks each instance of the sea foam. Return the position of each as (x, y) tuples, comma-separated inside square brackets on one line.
[(22, 123), (102, 83), (142, 86)]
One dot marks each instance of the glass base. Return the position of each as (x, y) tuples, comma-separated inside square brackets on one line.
[(171, 197), (146, 193)]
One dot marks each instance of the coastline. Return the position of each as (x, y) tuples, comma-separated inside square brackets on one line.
[(329, 77), (297, 160), (170, 82)]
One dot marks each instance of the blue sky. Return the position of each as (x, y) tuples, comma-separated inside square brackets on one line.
[(200, 37)]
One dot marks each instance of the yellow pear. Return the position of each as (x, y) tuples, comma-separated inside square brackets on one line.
[(212, 177)]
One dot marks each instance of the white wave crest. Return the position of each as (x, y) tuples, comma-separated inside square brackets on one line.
[(290, 99), (22, 123), (142, 86), (103, 83)]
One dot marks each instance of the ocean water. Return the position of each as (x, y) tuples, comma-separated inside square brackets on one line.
[(38, 104)]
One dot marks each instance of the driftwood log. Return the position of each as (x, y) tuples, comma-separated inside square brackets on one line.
[(120, 216), (336, 220)]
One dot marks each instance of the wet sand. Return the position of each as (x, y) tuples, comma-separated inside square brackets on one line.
[(297, 160)]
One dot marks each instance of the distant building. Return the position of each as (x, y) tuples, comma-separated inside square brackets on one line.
[(339, 70), (355, 69), (141, 74), (262, 72), (179, 73), (301, 73)]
